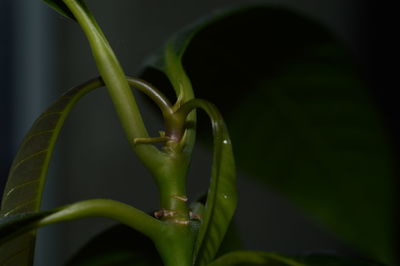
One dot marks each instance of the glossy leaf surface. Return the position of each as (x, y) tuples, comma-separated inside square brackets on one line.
[(249, 258), (301, 118), (24, 188), (119, 245)]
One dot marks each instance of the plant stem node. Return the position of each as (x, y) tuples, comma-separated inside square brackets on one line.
[(164, 213), (181, 198)]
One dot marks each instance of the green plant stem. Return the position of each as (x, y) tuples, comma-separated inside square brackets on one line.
[(153, 93), (176, 245), (115, 80), (208, 107), (184, 92), (168, 167), (170, 179), (177, 76), (121, 212), (173, 125), (172, 239)]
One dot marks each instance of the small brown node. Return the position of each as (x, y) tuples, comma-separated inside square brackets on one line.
[(184, 222), (194, 216), (181, 198), (164, 213)]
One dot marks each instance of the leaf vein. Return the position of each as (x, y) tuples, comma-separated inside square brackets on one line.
[(16, 208), (29, 137), (15, 167), (46, 115), (17, 187)]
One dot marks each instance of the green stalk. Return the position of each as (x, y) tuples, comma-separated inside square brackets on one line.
[(117, 84), (184, 91), (154, 94), (176, 245), (173, 240), (115, 210), (168, 167)]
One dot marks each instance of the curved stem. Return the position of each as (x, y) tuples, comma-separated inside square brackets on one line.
[(222, 196), (116, 83), (172, 240), (190, 106), (177, 75), (121, 212), (184, 92), (153, 93), (148, 89)]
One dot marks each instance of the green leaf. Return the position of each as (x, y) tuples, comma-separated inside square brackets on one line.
[(301, 117), (23, 191), (61, 8), (21, 226), (222, 196), (27, 174), (25, 184), (119, 245), (17, 238), (248, 258), (231, 242)]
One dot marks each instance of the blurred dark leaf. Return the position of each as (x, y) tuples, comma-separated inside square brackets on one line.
[(248, 258), (332, 260), (119, 245), (301, 117)]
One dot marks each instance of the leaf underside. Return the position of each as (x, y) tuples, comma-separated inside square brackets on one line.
[(24, 188), (222, 196)]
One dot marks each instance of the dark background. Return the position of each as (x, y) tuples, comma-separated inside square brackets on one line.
[(43, 54)]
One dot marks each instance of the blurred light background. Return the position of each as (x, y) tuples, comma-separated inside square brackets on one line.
[(42, 54)]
